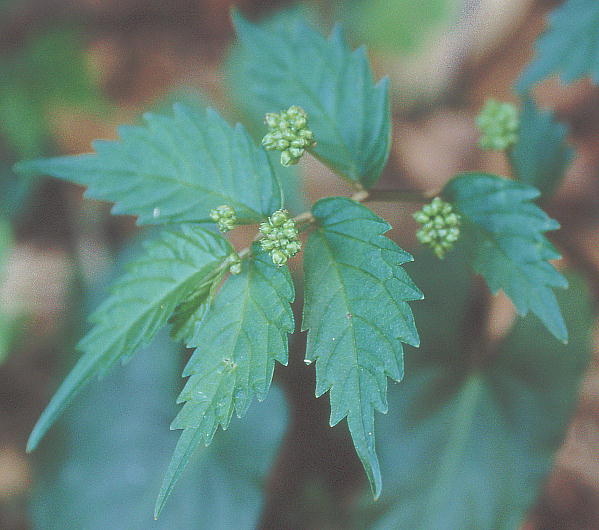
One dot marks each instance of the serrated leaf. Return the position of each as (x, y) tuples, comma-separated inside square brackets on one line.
[(238, 342), (356, 311), (173, 266), (114, 458), (541, 156), (289, 63), (470, 446), (503, 237), (569, 47), (176, 168)]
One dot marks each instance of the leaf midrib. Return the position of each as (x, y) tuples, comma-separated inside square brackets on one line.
[(343, 290)]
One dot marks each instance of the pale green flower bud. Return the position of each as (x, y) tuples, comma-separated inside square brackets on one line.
[(288, 133), (278, 257), (440, 226), (224, 216), (235, 267), (272, 120), (499, 123), (279, 218), (287, 159), (281, 237)]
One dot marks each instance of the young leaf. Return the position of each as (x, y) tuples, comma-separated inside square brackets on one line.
[(470, 447), (503, 238), (173, 267), (569, 47), (113, 459), (290, 63), (176, 168), (541, 156), (238, 342), (357, 316)]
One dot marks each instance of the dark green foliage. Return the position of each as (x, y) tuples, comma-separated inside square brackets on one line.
[(541, 156), (176, 168), (142, 301), (470, 435), (104, 465), (467, 445), (569, 47), (237, 343), (503, 237), (291, 63), (357, 316)]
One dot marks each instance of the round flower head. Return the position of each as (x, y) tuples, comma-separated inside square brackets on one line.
[(281, 237), (288, 133), (440, 226), (499, 122), (224, 216)]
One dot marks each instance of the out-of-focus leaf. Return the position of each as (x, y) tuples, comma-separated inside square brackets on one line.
[(14, 192), (394, 25), (468, 447), (569, 47), (7, 321), (541, 156), (49, 73), (105, 467)]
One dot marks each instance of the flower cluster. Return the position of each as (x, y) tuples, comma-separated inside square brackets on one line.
[(281, 237), (499, 122), (224, 216), (289, 133), (440, 226)]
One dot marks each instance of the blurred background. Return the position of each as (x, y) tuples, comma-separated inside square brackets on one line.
[(71, 71)]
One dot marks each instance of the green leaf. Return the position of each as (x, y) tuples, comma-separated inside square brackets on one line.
[(174, 266), (468, 447), (237, 343), (357, 316), (569, 47), (113, 458), (176, 168), (503, 239), (541, 156), (289, 63), (8, 322)]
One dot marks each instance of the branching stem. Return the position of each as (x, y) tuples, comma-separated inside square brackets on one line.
[(305, 219)]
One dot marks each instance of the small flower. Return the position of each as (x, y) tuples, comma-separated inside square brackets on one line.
[(289, 133), (499, 122), (440, 226), (281, 237), (224, 216)]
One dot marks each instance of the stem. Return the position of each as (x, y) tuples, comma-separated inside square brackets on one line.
[(305, 219), (401, 195)]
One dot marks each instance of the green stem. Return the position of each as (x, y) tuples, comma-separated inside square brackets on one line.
[(305, 219), (401, 195)]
